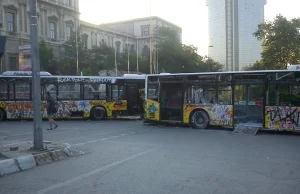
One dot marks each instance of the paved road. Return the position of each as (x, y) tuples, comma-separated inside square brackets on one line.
[(129, 157)]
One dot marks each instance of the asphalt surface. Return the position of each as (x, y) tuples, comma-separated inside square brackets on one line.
[(130, 157)]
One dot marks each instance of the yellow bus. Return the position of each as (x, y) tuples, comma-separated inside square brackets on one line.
[(91, 97), (269, 99)]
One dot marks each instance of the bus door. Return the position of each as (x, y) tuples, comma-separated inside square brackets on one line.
[(132, 97), (248, 103), (171, 98)]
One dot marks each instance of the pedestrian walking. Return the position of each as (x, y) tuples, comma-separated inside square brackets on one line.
[(51, 109)]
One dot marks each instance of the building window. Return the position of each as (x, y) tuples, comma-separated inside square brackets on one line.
[(102, 42), (118, 47), (11, 21), (69, 2), (21, 18), (132, 47), (145, 30), (13, 64), (69, 31), (52, 30), (146, 51), (85, 38)]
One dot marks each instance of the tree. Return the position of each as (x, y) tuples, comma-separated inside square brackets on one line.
[(281, 43), (47, 61), (175, 57), (101, 57), (70, 52), (209, 65), (258, 65)]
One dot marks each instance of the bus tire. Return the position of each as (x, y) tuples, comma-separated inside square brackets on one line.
[(98, 113), (200, 119), (2, 115)]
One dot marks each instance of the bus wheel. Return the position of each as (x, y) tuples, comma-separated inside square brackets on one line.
[(2, 116), (98, 113), (200, 120)]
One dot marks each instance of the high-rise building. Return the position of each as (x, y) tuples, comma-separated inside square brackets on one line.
[(231, 27)]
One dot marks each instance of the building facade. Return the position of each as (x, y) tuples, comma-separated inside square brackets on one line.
[(231, 27), (139, 29), (57, 19)]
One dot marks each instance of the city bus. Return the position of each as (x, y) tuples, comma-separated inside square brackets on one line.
[(89, 97), (269, 99)]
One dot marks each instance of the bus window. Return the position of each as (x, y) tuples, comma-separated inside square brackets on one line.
[(11, 91), (152, 91), (118, 92), (22, 91), (3, 91), (284, 95), (115, 92), (94, 91), (69, 91), (51, 88), (201, 95), (224, 96), (121, 93)]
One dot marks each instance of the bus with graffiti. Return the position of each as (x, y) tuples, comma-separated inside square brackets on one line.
[(89, 97), (269, 99)]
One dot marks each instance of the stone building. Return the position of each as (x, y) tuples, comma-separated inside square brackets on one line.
[(57, 19), (139, 29)]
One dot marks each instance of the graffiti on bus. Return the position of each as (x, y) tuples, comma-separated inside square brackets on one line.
[(23, 109), (282, 118), (219, 114)]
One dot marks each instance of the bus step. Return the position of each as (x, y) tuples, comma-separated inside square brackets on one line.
[(129, 117), (246, 129)]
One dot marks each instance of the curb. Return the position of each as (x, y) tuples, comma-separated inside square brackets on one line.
[(8, 166), (25, 162), (29, 161)]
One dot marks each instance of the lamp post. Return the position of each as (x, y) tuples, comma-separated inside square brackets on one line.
[(150, 34), (36, 80)]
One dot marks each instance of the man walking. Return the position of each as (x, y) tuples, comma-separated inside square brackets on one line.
[(51, 110)]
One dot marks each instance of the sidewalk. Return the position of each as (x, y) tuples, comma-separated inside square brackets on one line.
[(20, 156)]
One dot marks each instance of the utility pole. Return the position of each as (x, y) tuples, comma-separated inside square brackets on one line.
[(36, 81), (150, 33), (137, 54), (114, 45), (127, 52), (76, 42)]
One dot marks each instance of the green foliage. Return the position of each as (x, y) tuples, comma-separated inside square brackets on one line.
[(258, 65), (281, 43), (70, 51), (100, 58), (175, 57), (47, 61)]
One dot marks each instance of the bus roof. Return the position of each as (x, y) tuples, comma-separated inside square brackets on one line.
[(134, 76), (24, 73), (293, 69), (95, 79)]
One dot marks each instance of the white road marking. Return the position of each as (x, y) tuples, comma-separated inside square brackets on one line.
[(83, 143), (107, 138), (62, 184), (16, 135), (15, 144)]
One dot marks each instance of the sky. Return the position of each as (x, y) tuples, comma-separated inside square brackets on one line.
[(190, 15)]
